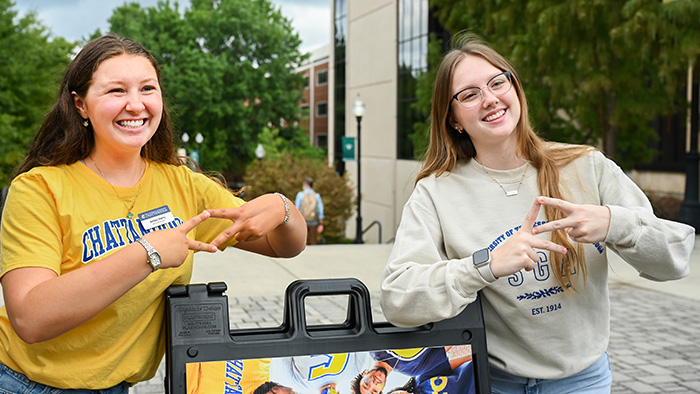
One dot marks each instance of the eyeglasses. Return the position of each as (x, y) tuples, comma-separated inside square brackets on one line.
[(498, 85)]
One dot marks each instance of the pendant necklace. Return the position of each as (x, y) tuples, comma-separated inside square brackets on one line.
[(129, 214), (507, 192)]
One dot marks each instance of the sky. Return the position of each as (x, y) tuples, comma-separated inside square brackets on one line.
[(76, 19)]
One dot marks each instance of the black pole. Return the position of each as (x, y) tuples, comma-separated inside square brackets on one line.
[(200, 154), (690, 207), (358, 232)]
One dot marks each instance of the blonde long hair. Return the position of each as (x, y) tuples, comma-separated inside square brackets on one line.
[(447, 146)]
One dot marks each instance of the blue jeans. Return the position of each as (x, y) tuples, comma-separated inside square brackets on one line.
[(12, 382), (596, 379)]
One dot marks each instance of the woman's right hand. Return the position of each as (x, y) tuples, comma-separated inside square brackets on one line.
[(173, 245), (519, 252)]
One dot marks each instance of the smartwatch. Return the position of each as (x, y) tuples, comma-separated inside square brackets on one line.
[(153, 255), (482, 262)]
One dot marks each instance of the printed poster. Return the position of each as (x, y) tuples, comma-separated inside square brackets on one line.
[(444, 370)]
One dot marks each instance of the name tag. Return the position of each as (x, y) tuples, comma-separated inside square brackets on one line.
[(156, 217)]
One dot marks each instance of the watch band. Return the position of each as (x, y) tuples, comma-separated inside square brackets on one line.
[(486, 273), (482, 261), (153, 255)]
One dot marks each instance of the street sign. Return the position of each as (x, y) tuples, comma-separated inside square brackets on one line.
[(348, 148)]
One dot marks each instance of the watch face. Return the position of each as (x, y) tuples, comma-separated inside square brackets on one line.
[(156, 258), (481, 256)]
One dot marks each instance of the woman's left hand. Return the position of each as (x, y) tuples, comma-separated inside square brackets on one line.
[(584, 223), (258, 218)]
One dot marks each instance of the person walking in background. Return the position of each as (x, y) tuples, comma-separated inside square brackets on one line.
[(100, 219), (311, 206), (526, 223)]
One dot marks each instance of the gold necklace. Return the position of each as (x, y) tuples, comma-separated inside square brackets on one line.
[(508, 193), (129, 215)]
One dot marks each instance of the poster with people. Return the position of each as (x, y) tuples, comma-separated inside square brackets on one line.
[(444, 370)]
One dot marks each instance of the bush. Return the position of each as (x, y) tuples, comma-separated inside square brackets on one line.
[(666, 207), (285, 174)]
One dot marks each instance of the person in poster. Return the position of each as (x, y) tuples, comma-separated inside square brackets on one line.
[(460, 381), (312, 374), (429, 367)]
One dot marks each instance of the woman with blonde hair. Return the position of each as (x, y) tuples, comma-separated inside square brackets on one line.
[(474, 224)]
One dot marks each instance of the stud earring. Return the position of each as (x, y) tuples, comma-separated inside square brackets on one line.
[(86, 123)]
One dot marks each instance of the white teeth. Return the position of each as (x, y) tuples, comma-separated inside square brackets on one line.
[(495, 116), (132, 124)]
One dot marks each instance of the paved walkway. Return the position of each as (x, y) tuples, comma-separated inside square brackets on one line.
[(655, 327)]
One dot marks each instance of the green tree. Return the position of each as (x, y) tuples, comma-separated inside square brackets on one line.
[(228, 69), (594, 70), (276, 146), (31, 67), (284, 172)]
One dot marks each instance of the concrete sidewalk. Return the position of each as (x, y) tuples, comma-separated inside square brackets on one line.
[(655, 326), (250, 275)]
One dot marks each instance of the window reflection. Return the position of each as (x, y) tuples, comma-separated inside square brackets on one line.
[(340, 39), (413, 60)]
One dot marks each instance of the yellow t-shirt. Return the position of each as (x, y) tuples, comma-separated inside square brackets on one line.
[(222, 377), (65, 217)]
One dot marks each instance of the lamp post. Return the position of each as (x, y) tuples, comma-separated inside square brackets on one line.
[(260, 154), (199, 138), (358, 109)]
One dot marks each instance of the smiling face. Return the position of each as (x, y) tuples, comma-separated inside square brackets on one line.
[(373, 381), (124, 104), (492, 121)]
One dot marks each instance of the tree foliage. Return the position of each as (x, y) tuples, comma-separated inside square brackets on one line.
[(31, 67), (228, 68), (284, 172), (593, 70)]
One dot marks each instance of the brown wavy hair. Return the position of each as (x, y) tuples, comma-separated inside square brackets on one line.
[(447, 146), (62, 138)]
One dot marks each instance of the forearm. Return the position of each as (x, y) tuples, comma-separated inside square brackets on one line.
[(659, 249), (42, 306), (286, 240), (289, 239), (413, 294)]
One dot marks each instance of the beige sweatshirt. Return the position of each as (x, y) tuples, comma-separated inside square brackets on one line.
[(533, 328)]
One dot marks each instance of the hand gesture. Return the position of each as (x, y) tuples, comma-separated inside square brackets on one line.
[(173, 244), (519, 252), (251, 220), (583, 223)]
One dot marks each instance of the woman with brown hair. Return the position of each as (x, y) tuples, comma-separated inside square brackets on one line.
[(101, 219), (474, 223)]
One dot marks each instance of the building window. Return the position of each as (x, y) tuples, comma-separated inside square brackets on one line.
[(304, 109), (340, 38), (416, 23), (670, 146), (321, 109), (306, 81), (413, 60), (322, 141), (322, 78)]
